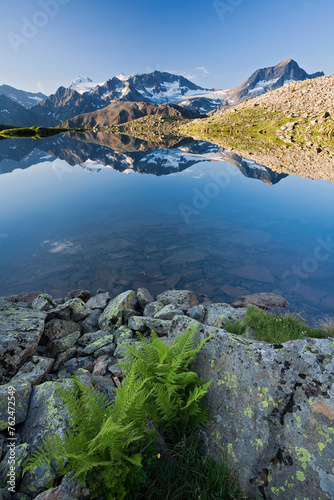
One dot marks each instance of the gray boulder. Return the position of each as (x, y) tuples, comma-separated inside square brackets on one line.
[(220, 314), (144, 297), (153, 308), (20, 331), (272, 411), (99, 301), (112, 316), (14, 402), (47, 415), (182, 299), (168, 312)]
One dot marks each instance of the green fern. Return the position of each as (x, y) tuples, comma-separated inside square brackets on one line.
[(105, 445)]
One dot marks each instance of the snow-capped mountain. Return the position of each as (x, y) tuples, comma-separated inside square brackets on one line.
[(25, 99), (266, 79), (86, 96)]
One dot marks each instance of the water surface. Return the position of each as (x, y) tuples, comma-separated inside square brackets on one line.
[(117, 213)]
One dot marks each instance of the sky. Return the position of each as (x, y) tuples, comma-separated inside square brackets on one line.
[(217, 43)]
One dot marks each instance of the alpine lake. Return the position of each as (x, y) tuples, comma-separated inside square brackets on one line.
[(97, 211)]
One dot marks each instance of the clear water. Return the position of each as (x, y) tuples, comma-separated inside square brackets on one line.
[(79, 215)]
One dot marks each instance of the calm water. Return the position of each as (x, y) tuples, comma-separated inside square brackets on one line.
[(78, 214)]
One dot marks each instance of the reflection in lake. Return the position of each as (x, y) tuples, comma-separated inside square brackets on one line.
[(205, 219)]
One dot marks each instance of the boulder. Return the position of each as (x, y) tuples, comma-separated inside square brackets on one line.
[(71, 310), (262, 300), (43, 302), (272, 411), (182, 299), (57, 329), (34, 370), (99, 301), (198, 313), (153, 308), (102, 341), (21, 455), (57, 346), (144, 297), (168, 312), (80, 294), (112, 316), (69, 489), (20, 331), (91, 323), (47, 415), (14, 402), (220, 314)]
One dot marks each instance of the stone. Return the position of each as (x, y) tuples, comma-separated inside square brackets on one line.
[(103, 340), (123, 333), (20, 333), (43, 302), (26, 297), (71, 310), (99, 301), (253, 273), (263, 300), (137, 324), (69, 489), (220, 314), (14, 396), (198, 313), (106, 349), (168, 312), (47, 415), (90, 324), (182, 299), (57, 346), (144, 297), (57, 329), (106, 386), (63, 357), (115, 370), (80, 294), (101, 365), (112, 316), (160, 326), (153, 308), (21, 456), (271, 408), (34, 370), (121, 349), (90, 337)]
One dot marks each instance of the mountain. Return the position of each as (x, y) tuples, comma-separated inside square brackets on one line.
[(267, 79), (122, 112), (12, 113), (83, 96), (86, 96), (26, 99)]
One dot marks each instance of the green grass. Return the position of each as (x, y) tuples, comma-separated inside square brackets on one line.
[(32, 132), (279, 328), (185, 472)]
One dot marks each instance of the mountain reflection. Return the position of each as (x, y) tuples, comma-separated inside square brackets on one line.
[(94, 151)]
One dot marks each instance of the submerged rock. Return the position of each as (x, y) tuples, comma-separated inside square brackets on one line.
[(262, 300)]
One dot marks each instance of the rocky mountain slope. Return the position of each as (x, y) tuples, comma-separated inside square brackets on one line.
[(122, 112), (26, 99), (289, 129), (12, 113)]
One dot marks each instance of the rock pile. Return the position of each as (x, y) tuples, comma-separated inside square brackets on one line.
[(272, 406)]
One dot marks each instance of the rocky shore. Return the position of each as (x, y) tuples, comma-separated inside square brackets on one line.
[(271, 405)]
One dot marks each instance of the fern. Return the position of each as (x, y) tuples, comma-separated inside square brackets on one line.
[(105, 445)]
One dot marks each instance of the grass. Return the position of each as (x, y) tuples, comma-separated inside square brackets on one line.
[(279, 328), (186, 472), (32, 132)]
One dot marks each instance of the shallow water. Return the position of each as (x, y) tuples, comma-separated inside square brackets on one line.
[(79, 215)]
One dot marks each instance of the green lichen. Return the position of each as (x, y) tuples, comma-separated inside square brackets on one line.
[(248, 412), (303, 456), (300, 475)]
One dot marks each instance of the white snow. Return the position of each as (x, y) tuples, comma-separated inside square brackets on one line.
[(83, 84), (122, 77), (262, 85), (38, 99)]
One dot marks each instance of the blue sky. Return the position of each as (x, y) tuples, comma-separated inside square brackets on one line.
[(47, 43)]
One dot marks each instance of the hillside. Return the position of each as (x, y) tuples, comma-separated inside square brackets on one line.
[(121, 112), (289, 129)]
